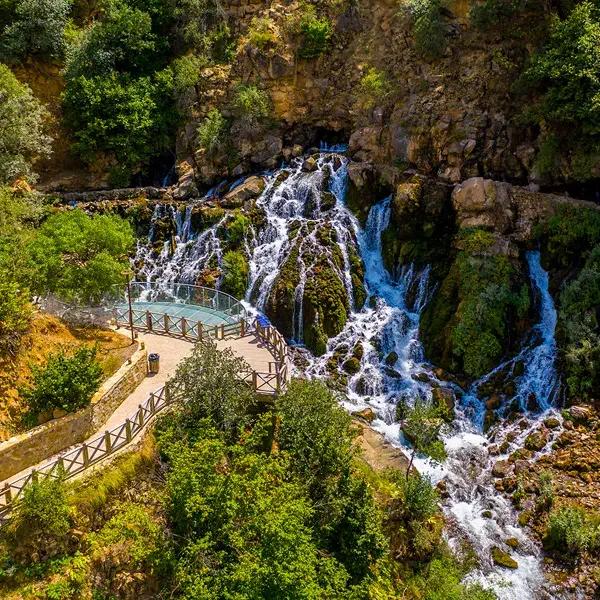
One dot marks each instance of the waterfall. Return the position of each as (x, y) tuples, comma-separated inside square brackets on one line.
[(383, 336)]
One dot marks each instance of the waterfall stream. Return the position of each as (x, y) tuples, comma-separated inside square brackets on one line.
[(392, 362)]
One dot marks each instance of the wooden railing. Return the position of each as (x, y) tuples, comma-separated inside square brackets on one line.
[(89, 453), (271, 383)]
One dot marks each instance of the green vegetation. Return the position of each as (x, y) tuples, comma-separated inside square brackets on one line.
[(491, 14), (260, 33), (429, 28), (374, 87), (251, 103), (235, 273), (566, 75), (422, 424), (186, 71), (202, 26), (467, 325), (571, 240), (573, 530), (37, 28), (312, 33), (213, 131), (65, 382), (15, 315), (80, 258), (22, 137)]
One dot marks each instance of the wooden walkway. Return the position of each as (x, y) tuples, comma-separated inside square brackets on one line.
[(263, 348)]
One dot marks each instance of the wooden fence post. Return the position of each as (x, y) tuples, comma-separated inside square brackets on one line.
[(61, 465), (254, 381), (222, 331), (128, 430), (242, 328), (107, 442), (140, 415), (151, 405), (199, 331), (86, 455), (183, 327), (7, 493), (148, 320), (167, 393), (166, 322), (34, 475)]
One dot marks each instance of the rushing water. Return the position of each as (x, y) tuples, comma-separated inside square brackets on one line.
[(392, 364)]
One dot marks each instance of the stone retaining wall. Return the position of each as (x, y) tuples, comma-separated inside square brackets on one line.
[(32, 447)]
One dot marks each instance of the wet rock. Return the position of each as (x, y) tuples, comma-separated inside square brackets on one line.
[(368, 414), (442, 488), (445, 399), (391, 359), (580, 413), (519, 368), (309, 165), (501, 469), (503, 559), (422, 377), (248, 190), (552, 423), (486, 514), (512, 543), (521, 466), (358, 351), (493, 402), (536, 441), (352, 365)]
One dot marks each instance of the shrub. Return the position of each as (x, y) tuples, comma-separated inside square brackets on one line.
[(314, 33), (64, 382), (260, 33), (15, 315), (419, 497), (196, 20), (573, 530), (80, 258), (374, 86), (37, 27), (129, 119), (235, 273), (237, 229), (40, 522), (428, 27), (251, 103), (186, 71), (22, 137), (212, 131)]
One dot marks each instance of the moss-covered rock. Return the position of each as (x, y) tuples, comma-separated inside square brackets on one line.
[(480, 310), (503, 559)]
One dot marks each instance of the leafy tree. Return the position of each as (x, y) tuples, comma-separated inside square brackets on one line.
[(186, 71), (419, 497), (312, 33), (64, 382), (22, 137), (40, 522), (196, 20), (15, 315), (422, 428), (428, 27), (235, 276), (566, 72), (79, 257), (37, 27), (209, 380), (251, 103), (374, 86)]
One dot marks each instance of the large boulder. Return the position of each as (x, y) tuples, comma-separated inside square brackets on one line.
[(249, 189)]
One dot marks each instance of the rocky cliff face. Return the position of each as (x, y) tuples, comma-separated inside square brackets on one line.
[(452, 118)]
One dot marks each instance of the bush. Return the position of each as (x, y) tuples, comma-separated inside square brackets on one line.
[(573, 530), (186, 71), (129, 119), (237, 228), (428, 27), (251, 103), (374, 86), (314, 33), (81, 258), (419, 497), (37, 27), (64, 382), (22, 137), (15, 315), (212, 131), (40, 522), (260, 32), (197, 20), (235, 274)]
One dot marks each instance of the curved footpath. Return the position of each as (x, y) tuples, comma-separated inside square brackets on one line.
[(171, 350)]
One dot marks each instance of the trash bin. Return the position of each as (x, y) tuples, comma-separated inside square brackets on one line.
[(153, 362)]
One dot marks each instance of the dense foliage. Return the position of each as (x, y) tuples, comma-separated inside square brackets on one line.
[(65, 382), (80, 258), (37, 27), (428, 27), (22, 136), (566, 72), (467, 325), (15, 314), (572, 531)]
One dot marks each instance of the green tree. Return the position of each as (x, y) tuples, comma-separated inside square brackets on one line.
[(197, 19), (235, 273), (422, 427), (212, 132), (15, 315), (65, 382), (37, 27), (209, 381), (80, 258), (40, 522), (428, 27), (251, 104), (22, 137)]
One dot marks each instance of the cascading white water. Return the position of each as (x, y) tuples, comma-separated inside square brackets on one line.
[(392, 362)]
